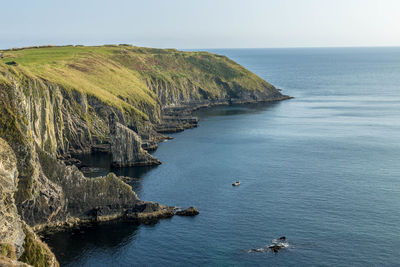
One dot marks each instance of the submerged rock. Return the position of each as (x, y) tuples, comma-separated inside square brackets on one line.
[(192, 211), (276, 247), (278, 244)]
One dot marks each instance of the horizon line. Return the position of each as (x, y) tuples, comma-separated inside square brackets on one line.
[(197, 48)]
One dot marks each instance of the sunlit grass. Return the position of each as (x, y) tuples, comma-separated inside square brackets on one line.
[(118, 75)]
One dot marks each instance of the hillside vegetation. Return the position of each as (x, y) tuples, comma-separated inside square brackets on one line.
[(131, 78)]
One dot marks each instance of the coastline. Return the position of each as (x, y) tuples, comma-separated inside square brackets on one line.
[(179, 113), (66, 104), (178, 118)]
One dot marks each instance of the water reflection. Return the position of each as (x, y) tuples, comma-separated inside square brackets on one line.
[(235, 109)]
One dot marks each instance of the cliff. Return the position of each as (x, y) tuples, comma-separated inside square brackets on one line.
[(11, 233), (56, 101), (17, 240), (126, 147)]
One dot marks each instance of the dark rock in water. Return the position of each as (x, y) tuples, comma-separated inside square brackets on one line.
[(192, 211), (278, 244), (276, 247)]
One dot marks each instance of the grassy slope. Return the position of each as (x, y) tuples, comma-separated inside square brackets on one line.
[(117, 75)]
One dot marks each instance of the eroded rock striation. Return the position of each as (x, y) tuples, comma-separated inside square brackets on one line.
[(17, 239), (126, 147), (11, 233)]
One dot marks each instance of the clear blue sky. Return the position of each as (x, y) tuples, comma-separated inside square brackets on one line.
[(202, 23)]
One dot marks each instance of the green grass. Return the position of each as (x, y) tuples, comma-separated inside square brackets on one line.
[(36, 253), (117, 75), (7, 250)]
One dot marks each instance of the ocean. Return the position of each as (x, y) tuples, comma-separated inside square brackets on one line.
[(322, 169)]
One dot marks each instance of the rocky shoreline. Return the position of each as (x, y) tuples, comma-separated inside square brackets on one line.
[(146, 213), (174, 119), (178, 118), (47, 115)]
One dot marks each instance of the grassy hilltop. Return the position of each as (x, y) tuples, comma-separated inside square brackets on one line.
[(129, 77)]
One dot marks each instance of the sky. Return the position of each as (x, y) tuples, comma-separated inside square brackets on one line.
[(201, 23)]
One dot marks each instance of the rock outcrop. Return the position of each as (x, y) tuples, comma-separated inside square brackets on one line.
[(192, 211), (126, 147), (17, 240), (86, 200), (11, 233), (7, 262)]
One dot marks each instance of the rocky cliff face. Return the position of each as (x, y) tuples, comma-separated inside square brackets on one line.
[(11, 233), (126, 147), (17, 240), (62, 104)]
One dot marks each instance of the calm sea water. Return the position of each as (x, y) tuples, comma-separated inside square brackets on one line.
[(323, 169)]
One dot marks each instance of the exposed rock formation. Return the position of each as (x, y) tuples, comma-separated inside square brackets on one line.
[(192, 211), (11, 233), (7, 262), (17, 240), (93, 199), (126, 147), (176, 123)]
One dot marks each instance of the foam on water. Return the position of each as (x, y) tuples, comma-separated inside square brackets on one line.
[(268, 248)]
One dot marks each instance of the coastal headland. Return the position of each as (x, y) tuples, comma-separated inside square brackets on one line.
[(57, 101)]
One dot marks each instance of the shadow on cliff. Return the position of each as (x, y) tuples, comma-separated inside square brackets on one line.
[(99, 164), (88, 240)]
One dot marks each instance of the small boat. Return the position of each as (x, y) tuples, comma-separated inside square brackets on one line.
[(236, 183)]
